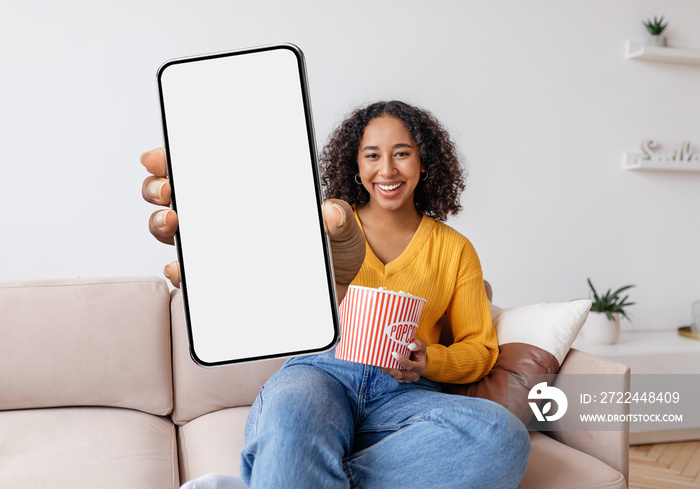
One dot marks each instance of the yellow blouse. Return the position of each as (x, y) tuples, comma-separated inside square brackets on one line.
[(441, 266)]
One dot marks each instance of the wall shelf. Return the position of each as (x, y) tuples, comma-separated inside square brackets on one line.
[(645, 52), (631, 161)]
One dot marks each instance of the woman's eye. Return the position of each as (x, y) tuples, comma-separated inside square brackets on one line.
[(401, 154), (372, 155)]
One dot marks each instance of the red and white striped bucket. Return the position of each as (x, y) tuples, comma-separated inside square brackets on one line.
[(376, 322)]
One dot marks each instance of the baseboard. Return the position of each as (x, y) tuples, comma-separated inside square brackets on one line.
[(667, 436)]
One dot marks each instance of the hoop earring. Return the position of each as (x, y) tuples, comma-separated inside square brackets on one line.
[(358, 180), (426, 176)]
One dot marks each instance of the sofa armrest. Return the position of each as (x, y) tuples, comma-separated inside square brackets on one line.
[(611, 447)]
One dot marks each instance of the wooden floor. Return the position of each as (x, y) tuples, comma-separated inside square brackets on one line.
[(665, 466)]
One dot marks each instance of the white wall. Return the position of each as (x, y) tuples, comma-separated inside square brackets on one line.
[(537, 93)]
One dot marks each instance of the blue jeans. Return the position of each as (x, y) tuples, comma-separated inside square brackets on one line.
[(320, 422)]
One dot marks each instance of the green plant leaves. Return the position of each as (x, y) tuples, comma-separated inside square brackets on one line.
[(611, 302), (655, 27)]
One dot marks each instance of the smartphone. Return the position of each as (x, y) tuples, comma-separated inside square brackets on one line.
[(257, 280)]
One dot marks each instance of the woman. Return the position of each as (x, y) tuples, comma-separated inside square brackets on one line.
[(321, 422)]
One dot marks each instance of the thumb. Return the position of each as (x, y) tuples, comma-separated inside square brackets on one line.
[(418, 348), (346, 239)]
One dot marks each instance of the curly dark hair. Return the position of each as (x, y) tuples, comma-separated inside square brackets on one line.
[(437, 196)]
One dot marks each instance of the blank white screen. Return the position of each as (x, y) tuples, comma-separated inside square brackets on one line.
[(251, 241)]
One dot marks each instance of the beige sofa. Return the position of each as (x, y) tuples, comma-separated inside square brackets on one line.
[(97, 390)]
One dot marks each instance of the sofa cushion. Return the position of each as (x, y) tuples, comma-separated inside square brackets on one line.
[(553, 465), (99, 342), (68, 448), (550, 327), (533, 341), (201, 390), (212, 444)]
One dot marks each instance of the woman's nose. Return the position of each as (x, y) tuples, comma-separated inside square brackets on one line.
[(387, 168)]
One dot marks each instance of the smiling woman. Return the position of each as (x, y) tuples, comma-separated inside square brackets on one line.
[(438, 191)]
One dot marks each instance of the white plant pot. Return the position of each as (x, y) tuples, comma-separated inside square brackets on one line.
[(659, 40), (600, 330)]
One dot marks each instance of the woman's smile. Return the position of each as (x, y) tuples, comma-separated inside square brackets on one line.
[(389, 188)]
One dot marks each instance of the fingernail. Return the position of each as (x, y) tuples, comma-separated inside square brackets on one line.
[(342, 214), (154, 189), (160, 219), (412, 346), (142, 155), (395, 355), (165, 271)]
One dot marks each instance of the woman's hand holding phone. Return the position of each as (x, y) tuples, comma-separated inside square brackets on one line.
[(156, 190)]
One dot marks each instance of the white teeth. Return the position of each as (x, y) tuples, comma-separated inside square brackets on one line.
[(388, 187)]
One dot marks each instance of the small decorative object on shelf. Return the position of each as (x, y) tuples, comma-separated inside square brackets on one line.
[(656, 29), (687, 331), (603, 323), (681, 159), (678, 156), (692, 331)]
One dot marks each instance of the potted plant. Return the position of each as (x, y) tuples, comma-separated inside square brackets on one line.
[(656, 29), (603, 323)]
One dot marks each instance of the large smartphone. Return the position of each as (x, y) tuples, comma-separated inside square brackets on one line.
[(257, 280)]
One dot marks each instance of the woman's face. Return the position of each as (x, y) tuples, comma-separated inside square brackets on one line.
[(389, 165)]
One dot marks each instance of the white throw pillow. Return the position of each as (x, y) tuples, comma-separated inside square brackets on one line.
[(552, 327)]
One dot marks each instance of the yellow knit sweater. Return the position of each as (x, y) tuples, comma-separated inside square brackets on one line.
[(441, 266)]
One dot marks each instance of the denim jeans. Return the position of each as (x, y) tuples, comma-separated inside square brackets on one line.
[(320, 422)]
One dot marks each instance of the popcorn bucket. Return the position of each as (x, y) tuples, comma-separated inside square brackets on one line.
[(375, 323)]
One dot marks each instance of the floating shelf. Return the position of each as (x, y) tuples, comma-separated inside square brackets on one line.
[(632, 161), (645, 52)]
